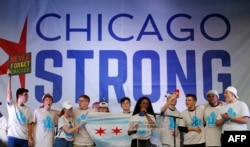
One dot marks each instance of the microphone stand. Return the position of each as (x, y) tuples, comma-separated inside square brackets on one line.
[(175, 117)]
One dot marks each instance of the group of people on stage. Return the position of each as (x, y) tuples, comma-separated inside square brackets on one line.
[(196, 126)]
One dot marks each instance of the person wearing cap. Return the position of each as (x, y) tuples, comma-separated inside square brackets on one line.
[(103, 107), (169, 131), (234, 115), (212, 109), (66, 126), (44, 122), (20, 117), (82, 137)]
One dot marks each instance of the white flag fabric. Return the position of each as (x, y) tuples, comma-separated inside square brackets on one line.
[(110, 130)]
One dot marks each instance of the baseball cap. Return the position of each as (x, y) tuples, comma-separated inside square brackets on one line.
[(215, 92), (103, 104), (233, 90), (67, 105)]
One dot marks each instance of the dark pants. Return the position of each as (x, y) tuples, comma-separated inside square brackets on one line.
[(16, 142), (221, 140), (141, 143), (195, 145), (61, 142)]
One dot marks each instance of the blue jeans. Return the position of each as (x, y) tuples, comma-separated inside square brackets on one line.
[(61, 142), (16, 142)]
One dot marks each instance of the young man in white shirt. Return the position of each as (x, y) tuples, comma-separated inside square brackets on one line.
[(20, 118), (234, 115)]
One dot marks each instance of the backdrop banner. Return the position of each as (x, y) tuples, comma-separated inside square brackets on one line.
[(115, 48)]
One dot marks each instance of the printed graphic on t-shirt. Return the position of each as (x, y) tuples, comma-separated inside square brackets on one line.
[(171, 124), (48, 123), (142, 130), (196, 122), (231, 113), (20, 117), (211, 119), (81, 118)]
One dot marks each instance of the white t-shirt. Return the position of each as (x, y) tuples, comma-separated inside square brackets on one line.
[(212, 132), (144, 131), (167, 126), (19, 118), (193, 119), (63, 121), (3, 129), (236, 109), (82, 137), (44, 128)]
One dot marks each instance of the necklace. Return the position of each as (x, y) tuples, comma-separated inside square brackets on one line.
[(193, 122)]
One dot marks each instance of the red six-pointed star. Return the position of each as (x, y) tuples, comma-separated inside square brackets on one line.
[(100, 131), (116, 130)]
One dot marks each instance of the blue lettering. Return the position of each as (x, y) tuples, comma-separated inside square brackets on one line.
[(80, 56), (155, 32), (174, 69), (155, 72), (190, 31), (205, 34), (41, 57), (116, 81), (87, 29), (110, 27), (38, 27), (207, 59), (99, 27)]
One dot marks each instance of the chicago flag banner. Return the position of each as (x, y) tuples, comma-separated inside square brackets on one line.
[(110, 130)]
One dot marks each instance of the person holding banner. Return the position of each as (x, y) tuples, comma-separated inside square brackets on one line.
[(234, 115), (103, 107), (82, 137), (168, 130), (44, 122), (192, 123), (66, 127), (141, 123), (20, 117)]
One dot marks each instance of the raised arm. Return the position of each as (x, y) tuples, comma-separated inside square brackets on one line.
[(170, 98), (9, 93)]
